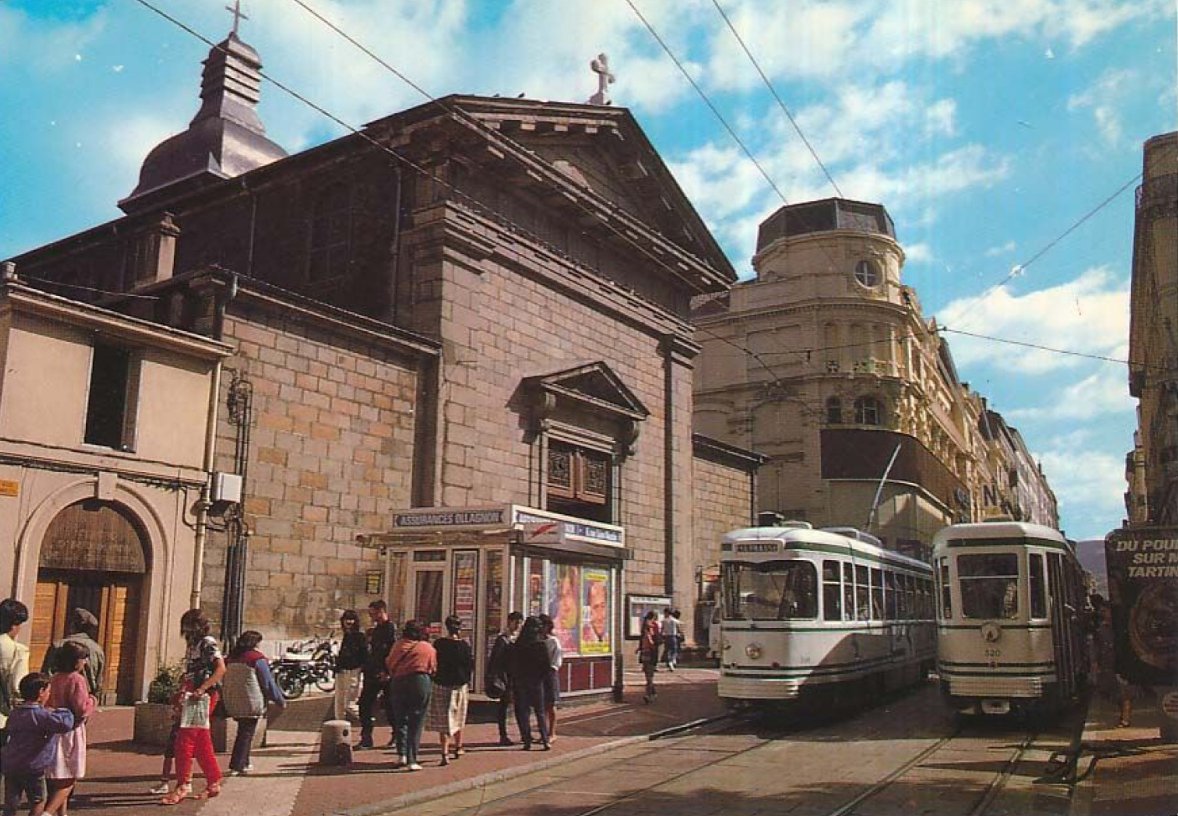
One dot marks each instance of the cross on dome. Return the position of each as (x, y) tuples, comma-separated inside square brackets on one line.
[(238, 15)]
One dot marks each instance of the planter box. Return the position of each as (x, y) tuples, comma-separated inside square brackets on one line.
[(153, 723)]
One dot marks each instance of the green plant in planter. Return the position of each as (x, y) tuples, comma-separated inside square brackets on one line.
[(166, 683)]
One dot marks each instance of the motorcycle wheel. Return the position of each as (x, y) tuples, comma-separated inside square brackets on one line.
[(292, 686), (325, 680)]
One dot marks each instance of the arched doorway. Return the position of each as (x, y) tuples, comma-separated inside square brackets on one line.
[(94, 556)]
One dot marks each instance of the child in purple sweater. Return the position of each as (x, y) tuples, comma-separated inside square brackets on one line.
[(32, 744)]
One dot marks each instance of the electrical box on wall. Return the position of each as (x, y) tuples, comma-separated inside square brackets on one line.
[(226, 488)]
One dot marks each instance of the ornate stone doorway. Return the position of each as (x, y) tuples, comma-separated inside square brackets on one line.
[(94, 556)]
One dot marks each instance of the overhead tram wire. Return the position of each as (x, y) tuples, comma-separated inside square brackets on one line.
[(500, 219), (780, 103), (1019, 269)]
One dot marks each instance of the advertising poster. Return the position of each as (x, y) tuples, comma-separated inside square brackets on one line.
[(564, 605), (493, 588), (535, 589), (636, 608), (595, 616), (1143, 593), (466, 564)]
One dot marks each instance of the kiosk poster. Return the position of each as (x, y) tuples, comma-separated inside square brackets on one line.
[(595, 612), (466, 563), (534, 602), (564, 605), (1143, 593)]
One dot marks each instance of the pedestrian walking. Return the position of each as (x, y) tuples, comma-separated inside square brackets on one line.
[(497, 679), (249, 686), (552, 678), (14, 659), (204, 668), (648, 652), (82, 629), (411, 664), (68, 689), (447, 707), (529, 666), (669, 634), (374, 677), (34, 732), (353, 654)]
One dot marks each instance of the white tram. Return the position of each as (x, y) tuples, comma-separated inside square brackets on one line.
[(810, 612), (1010, 634)]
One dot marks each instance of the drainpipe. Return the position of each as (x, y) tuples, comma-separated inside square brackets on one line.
[(202, 510)]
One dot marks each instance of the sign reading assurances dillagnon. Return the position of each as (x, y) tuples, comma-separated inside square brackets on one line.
[(1143, 593), (448, 518)]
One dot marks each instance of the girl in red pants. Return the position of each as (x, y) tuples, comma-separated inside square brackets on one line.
[(204, 666)]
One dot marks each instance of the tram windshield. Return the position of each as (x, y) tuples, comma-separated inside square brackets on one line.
[(770, 590), (989, 585)]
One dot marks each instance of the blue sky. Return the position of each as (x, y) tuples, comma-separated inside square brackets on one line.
[(987, 128)]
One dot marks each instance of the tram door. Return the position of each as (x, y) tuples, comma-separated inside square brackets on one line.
[(1062, 607)]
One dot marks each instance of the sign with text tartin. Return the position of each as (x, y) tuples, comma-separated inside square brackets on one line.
[(1143, 593)]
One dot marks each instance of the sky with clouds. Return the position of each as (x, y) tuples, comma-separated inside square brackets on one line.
[(987, 128)]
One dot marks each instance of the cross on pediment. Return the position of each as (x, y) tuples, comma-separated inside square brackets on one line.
[(600, 66), (238, 14)]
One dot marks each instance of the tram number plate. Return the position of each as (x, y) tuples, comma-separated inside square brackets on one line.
[(995, 706)]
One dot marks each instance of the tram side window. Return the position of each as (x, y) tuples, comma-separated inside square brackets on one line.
[(890, 599), (989, 585), (832, 591), (848, 592), (946, 597), (1038, 589), (905, 596), (877, 601), (862, 594), (927, 605)]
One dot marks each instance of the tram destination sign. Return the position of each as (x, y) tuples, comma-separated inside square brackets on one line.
[(1143, 593)]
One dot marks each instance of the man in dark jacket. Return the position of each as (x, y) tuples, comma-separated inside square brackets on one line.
[(497, 675), (381, 637)]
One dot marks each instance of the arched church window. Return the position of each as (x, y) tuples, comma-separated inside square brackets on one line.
[(330, 239), (867, 411)]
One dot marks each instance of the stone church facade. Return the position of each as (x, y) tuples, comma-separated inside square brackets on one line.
[(462, 368)]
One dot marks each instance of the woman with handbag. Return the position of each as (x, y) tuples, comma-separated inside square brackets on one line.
[(411, 664), (204, 667), (249, 685)]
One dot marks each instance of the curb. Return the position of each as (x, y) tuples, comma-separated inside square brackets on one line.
[(492, 777)]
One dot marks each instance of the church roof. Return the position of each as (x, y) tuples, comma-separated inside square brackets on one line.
[(225, 139)]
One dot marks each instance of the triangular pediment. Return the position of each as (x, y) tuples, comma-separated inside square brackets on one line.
[(594, 385)]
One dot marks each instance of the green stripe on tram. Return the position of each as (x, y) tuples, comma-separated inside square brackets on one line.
[(954, 664), (1005, 626), (994, 673), (846, 550), (961, 543)]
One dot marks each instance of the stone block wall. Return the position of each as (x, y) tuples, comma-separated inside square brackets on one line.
[(331, 452)]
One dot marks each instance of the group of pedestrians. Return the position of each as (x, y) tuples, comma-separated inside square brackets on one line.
[(523, 672), (43, 714)]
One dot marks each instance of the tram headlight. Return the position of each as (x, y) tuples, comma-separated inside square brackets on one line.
[(753, 650)]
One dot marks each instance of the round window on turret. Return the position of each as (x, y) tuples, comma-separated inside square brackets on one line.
[(867, 273)]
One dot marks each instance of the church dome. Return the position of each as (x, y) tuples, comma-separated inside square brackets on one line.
[(226, 137)]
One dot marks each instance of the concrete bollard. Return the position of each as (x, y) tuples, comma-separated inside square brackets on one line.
[(335, 743)]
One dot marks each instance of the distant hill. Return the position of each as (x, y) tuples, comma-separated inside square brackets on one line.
[(1091, 555)]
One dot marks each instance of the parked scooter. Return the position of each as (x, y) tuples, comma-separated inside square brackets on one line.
[(304, 664)]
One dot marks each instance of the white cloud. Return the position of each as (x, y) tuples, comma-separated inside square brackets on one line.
[(1102, 99), (43, 47), (1089, 315), (1004, 249), (1104, 392), (918, 253), (1088, 484)]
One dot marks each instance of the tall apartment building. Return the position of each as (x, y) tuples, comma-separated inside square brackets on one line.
[(825, 363), (1153, 334)]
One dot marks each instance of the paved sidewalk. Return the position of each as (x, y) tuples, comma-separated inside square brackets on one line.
[(1133, 773), (288, 782)]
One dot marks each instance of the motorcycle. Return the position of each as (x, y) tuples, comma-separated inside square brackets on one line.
[(306, 664)]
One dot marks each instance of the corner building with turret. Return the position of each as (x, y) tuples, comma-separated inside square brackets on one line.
[(824, 362)]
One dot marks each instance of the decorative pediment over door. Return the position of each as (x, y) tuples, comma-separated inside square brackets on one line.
[(590, 395)]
